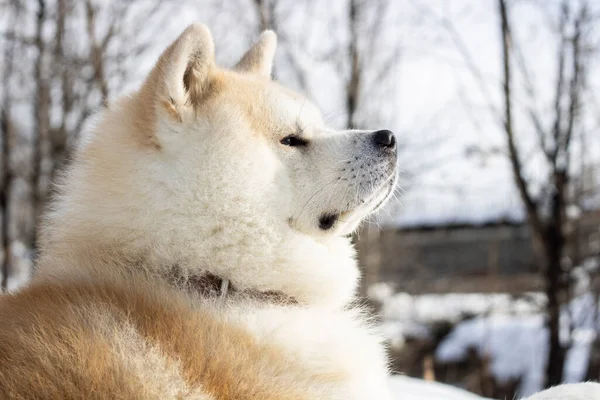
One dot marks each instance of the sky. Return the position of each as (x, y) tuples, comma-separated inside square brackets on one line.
[(439, 97)]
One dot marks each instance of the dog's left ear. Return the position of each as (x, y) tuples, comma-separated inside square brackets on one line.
[(183, 74), (259, 59)]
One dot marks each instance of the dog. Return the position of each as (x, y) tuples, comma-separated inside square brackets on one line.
[(199, 246)]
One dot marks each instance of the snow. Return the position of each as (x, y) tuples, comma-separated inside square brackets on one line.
[(510, 331), (516, 346), (405, 388), (454, 307), (516, 343), (580, 391)]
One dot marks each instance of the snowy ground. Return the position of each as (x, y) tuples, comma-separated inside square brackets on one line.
[(509, 330), (405, 388)]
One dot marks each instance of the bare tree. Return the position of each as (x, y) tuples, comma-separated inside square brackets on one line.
[(545, 209), (353, 84), (41, 129), (266, 14), (15, 198), (547, 215), (61, 79), (371, 60)]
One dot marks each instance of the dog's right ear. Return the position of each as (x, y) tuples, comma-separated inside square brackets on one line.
[(182, 75), (259, 59)]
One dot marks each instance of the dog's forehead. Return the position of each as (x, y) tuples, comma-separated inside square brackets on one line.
[(287, 106), (293, 105), (268, 107)]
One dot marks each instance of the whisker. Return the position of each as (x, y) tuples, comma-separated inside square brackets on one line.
[(326, 186)]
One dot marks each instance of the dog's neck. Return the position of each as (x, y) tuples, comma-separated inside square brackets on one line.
[(202, 283), (295, 266), (208, 285)]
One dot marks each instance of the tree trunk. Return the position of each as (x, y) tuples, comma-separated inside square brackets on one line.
[(549, 233), (42, 162), (555, 279), (96, 55), (264, 15), (6, 169), (556, 351), (353, 86), (5, 181), (60, 135), (267, 19)]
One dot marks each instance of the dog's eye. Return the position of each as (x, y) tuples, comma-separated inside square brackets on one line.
[(293, 141)]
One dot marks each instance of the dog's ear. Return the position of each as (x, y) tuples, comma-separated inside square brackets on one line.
[(183, 73), (259, 59)]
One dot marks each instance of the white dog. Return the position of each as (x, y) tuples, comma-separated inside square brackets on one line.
[(199, 247)]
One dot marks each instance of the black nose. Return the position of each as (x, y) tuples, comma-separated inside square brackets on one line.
[(384, 139)]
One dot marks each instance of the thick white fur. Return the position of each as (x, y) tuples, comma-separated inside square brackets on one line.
[(195, 178)]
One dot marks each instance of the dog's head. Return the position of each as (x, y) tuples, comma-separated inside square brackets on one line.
[(227, 171), (253, 140)]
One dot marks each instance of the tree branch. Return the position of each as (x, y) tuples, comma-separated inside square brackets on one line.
[(575, 86), (96, 58), (517, 168)]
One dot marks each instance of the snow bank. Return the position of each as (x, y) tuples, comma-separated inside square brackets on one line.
[(510, 331), (454, 307), (516, 347), (518, 344), (580, 391), (405, 388)]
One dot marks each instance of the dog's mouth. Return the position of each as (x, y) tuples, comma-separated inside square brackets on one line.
[(350, 218), (385, 194)]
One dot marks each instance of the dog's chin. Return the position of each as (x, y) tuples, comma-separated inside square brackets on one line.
[(335, 222), (351, 219)]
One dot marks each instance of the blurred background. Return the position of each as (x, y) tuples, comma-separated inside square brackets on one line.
[(485, 270)]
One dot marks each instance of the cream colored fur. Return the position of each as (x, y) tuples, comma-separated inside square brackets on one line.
[(189, 174)]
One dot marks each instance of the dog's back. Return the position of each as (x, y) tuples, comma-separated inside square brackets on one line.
[(139, 340)]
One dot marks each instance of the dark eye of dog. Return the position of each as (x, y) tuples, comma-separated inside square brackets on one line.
[(293, 141)]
